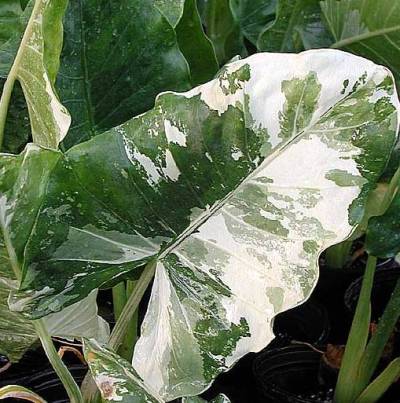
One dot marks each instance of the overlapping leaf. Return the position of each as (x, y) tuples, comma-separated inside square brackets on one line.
[(35, 65), (117, 57), (119, 382), (115, 377), (204, 183), (298, 26), (367, 28), (24, 191), (254, 16)]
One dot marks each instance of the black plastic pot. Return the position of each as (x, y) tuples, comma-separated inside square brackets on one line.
[(384, 282), (34, 373), (308, 323), (291, 375)]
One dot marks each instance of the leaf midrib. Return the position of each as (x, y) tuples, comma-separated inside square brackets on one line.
[(364, 36)]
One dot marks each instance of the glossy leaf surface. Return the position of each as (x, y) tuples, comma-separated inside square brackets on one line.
[(117, 57), (204, 183), (16, 332), (298, 26)]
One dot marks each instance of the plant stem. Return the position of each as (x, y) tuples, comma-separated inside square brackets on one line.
[(119, 299), (377, 343), (127, 346), (61, 370), (89, 389), (12, 75), (337, 255), (347, 386), (122, 325), (391, 190)]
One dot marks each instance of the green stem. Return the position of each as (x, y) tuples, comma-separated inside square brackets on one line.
[(13, 73), (377, 343), (347, 386), (337, 255), (128, 344), (119, 299), (122, 325), (61, 370), (89, 389), (392, 189)]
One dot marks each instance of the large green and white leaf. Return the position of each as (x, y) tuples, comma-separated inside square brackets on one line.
[(367, 28), (117, 57), (298, 26), (16, 332), (235, 187), (115, 377), (253, 16), (35, 66), (383, 232)]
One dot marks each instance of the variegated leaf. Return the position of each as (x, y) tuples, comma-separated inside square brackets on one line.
[(114, 376), (235, 187), (25, 191), (35, 66)]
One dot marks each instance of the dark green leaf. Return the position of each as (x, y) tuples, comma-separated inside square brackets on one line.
[(117, 57), (383, 232), (223, 31), (253, 16), (298, 26), (196, 47)]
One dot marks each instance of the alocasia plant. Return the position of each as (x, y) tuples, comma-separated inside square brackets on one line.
[(205, 184)]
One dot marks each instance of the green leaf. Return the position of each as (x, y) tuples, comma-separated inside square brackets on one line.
[(359, 26), (34, 67), (204, 183), (10, 18), (12, 26), (17, 132), (114, 376), (171, 9), (194, 44), (117, 57), (223, 30), (16, 332), (381, 383), (298, 26), (383, 232), (253, 16)]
